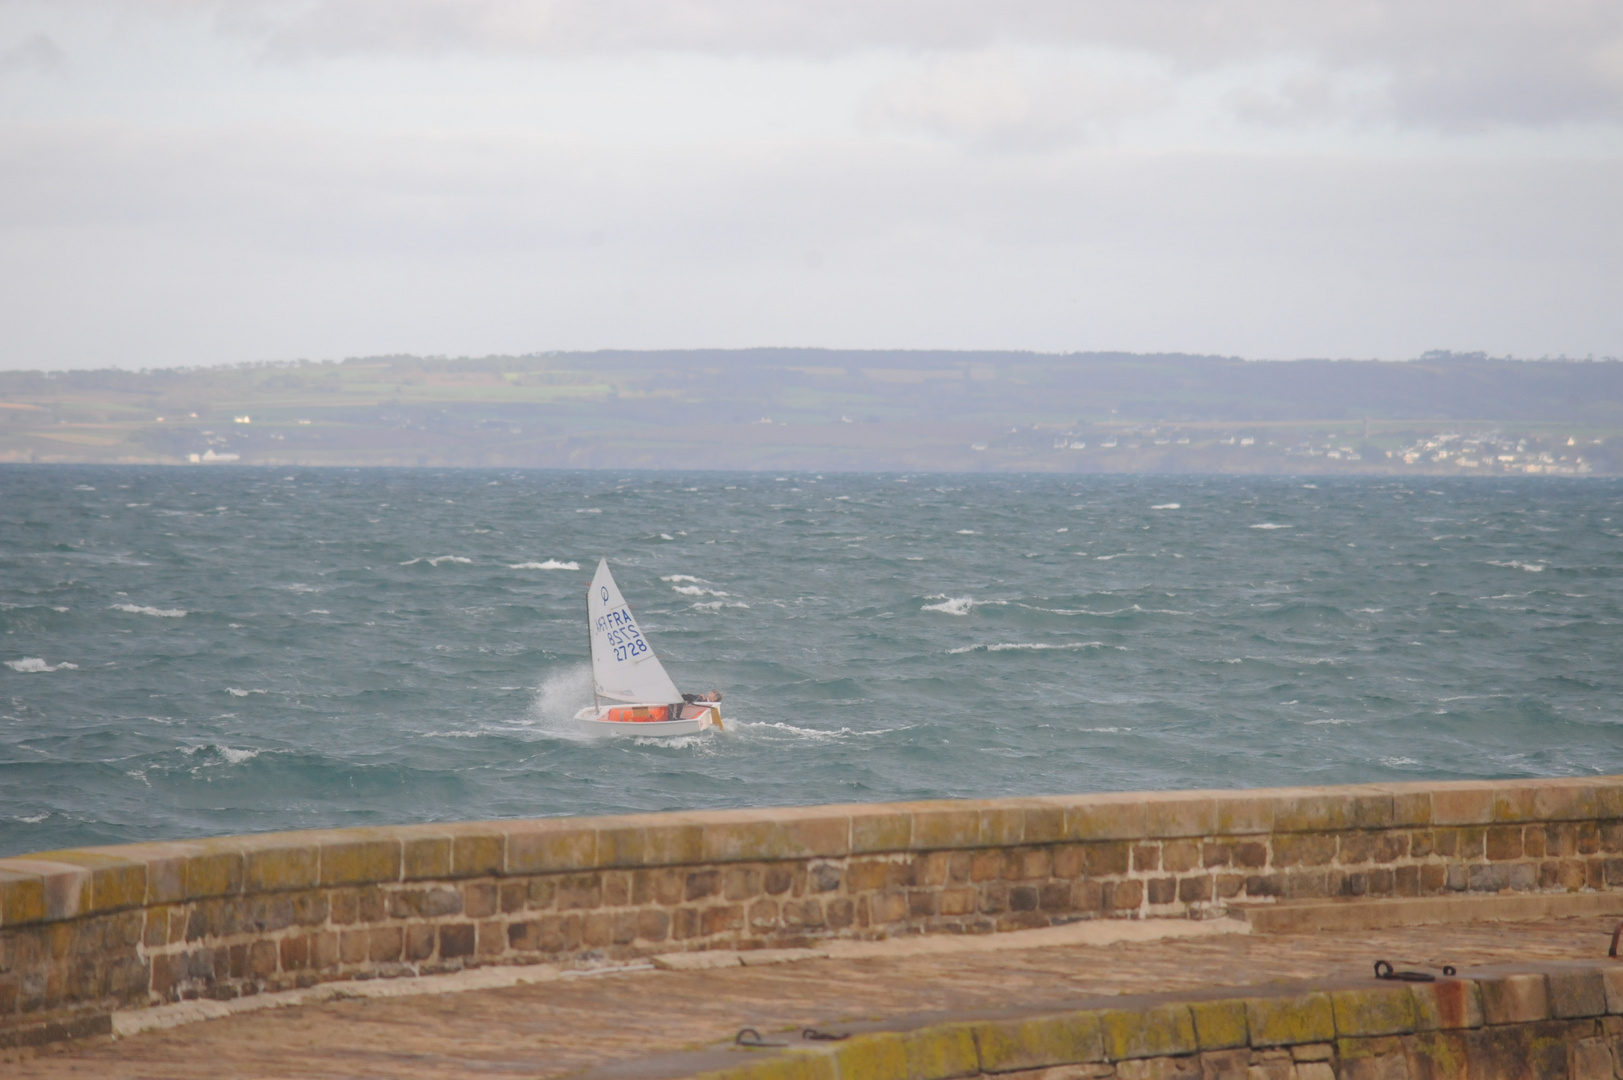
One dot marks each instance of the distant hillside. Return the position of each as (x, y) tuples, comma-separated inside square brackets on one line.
[(837, 409)]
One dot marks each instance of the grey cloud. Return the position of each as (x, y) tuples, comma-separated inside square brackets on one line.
[(1447, 64), (201, 247), (1001, 100), (37, 53)]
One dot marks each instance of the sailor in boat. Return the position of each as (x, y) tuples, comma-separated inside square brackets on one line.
[(625, 669)]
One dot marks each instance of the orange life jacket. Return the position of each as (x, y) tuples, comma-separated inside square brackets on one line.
[(639, 714)]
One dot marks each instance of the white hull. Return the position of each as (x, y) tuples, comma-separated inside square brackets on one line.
[(595, 720)]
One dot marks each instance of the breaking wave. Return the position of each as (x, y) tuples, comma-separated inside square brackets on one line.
[(31, 664), (161, 613)]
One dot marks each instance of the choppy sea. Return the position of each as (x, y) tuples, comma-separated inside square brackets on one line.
[(217, 650)]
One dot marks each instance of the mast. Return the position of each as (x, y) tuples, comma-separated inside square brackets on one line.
[(589, 658)]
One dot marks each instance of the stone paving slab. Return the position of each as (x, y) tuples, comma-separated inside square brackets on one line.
[(612, 1022)]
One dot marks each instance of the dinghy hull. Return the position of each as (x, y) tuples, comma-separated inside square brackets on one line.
[(615, 720)]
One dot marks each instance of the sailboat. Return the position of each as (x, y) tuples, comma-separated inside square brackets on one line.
[(625, 670)]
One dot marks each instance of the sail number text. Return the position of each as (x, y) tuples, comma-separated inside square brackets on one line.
[(622, 633)]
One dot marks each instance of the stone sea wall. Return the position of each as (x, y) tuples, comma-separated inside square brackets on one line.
[(1552, 1022), (92, 930)]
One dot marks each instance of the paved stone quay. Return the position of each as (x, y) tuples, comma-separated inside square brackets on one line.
[(615, 1021)]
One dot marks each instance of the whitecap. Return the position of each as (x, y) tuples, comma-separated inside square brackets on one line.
[(696, 590), (238, 757), (951, 605), (83, 487), (34, 664), (1393, 762), (550, 564), (681, 577), (1531, 568), (1332, 720), (34, 819), (966, 532), (1167, 506), (436, 560), (717, 605), (809, 733), (300, 588), (1036, 646), (318, 611), (162, 613), (234, 692), (590, 510), (666, 536), (1271, 525)]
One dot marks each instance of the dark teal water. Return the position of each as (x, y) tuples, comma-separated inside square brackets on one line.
[(221, 650)]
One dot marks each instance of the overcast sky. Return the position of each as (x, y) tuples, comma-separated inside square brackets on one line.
[(194, 182)]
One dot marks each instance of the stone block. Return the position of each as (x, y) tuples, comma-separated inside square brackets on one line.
[(1146, 857), (1159, 1068), (1308, 810), (477, 851), (1613, 979), (1591, 1059), (1371, 807), (1152, 1032), (22, 896), (419, 942), (1064, 1039), (1372, 1059), (1514, 999), (1447, 1004), (1027, 864), (479, 899), (425, 857), (1219, 1025), (117, 881), (946, 825), (274, 867), (1242, 815), (878, 830), (1437, 1055), (1287, 1020), (550, 846), (1575, 994), (359, 857), (1180, 814), (1180, 856), (1384, 1010), (672, 843), (1304, 849), (1004, 825), (793, 833), (1517, 1050), (578, 891), (1505, 842), (620, 844), (1106, 817), (215, 869), (1461, 803), (1226, 1065), (457, 940), (1042, 823)]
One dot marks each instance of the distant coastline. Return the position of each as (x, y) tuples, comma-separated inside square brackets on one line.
[(832, 410)]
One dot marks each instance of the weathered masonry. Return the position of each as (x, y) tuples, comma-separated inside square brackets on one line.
[(92, 930), (1552, 1022)]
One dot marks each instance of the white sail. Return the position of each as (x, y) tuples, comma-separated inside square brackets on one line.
[(624, 666)]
